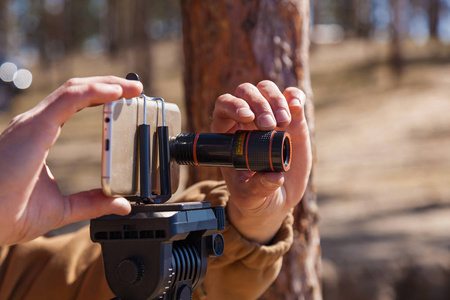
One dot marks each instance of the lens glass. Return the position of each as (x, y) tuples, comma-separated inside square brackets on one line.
[(286, 152)]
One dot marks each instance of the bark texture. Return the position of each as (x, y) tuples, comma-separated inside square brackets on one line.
[(227, 43)]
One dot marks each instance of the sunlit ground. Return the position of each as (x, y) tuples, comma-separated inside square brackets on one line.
[(383, 162)]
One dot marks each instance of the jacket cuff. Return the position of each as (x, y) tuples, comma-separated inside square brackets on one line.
[(252, 254), (238, 248)]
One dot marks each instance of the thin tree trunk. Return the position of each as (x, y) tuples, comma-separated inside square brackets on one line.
[(8, 29), (141, 45), (396, 59), (5, 27), (434, 7), (230, 42), (113, 31)]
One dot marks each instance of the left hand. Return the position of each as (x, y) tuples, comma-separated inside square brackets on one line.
[(259, 202), (30, 201)]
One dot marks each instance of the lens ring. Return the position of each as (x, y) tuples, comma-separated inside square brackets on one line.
[(287, 151)]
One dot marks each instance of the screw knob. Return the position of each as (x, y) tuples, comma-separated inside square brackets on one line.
[(130, 270), (184, 292), (132, 76)]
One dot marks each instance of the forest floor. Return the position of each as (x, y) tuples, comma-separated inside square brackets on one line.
[(383, 147), (383, 170), (383, 153)]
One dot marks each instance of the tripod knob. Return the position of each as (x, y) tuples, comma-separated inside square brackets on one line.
[(132, 76), (130, 270), (215, 244), (184, 292)]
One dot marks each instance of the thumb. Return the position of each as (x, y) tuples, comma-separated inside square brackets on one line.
[(93, 204), (250, 190)]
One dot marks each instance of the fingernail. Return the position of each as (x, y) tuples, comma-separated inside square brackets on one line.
[(296, 102), (282, 115), (266, 121), (244, 112)]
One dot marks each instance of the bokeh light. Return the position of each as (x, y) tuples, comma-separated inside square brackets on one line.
[(23, 79), (7, 71)]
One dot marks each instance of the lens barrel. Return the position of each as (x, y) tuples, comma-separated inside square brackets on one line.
[(257, 151)]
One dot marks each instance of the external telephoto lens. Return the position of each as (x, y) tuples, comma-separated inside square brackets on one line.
[(257, 151)]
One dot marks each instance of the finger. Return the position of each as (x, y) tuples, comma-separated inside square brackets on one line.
[(130, 88), (277, 102), (93, 204), (251, 189), (72, 97), (296, 100), (229, 110), (264, 118), (104, 79)]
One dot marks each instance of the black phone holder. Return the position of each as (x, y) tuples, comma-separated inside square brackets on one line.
[(159, 250)]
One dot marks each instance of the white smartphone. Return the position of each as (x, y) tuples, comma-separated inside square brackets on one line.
[(120, 157)]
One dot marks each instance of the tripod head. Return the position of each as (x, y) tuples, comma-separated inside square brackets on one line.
[(159, 251)]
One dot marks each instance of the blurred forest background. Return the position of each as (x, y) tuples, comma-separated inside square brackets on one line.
[(380, 72)]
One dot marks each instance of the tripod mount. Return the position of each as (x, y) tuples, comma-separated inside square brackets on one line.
[(159, 251)]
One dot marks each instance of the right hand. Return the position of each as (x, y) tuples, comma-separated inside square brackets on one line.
[(259, 202)]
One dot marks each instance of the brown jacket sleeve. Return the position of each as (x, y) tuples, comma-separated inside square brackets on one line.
[(64, 267), (246, 269), (71, 266)]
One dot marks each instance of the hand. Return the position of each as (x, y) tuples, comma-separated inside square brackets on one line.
[(259, 202), (30, 201)]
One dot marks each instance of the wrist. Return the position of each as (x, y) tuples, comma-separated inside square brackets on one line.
[(256, 227)]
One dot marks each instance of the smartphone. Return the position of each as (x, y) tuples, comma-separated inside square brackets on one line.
[(120, 155)]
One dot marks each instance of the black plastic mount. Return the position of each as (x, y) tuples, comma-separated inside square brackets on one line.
[(159, 251)]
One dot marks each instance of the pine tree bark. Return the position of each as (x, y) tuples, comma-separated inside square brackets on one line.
[(230, 42)]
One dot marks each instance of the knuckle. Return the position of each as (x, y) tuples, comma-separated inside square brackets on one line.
[(111, 78), (244, 89), (72, 82), (278, 100), (302, 94), (296, 92), (292, 89), (224, 98), (221, 102), (23, 121), (17, 119), (71, 90), (264, 84)]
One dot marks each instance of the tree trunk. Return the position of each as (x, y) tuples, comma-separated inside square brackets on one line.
[(141, 45), (434, 7), (230, 42), (396, 59), (8, 30)]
